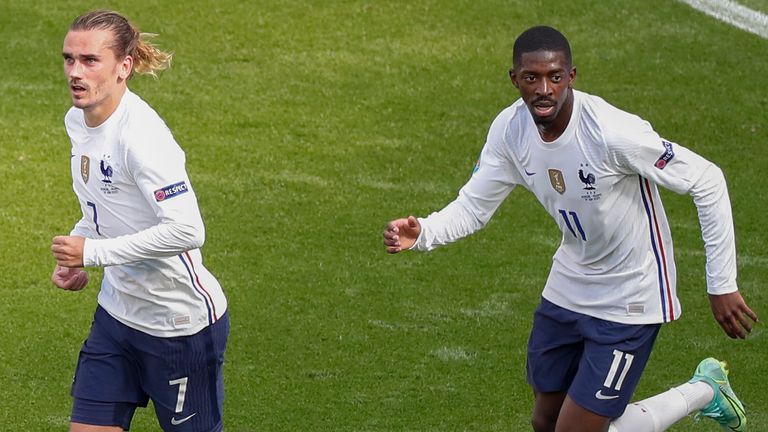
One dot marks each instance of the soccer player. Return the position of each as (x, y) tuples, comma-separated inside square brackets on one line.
[(160, 328), (595, 169)]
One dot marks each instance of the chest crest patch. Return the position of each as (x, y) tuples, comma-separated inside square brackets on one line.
[(85, 168), (557, 180)]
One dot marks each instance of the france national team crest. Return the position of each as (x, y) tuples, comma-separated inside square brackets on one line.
[(588, 179), (171, 191), (107, 187), (557, 180), (106, 171), (664, 159), (590, 190), (85, 168)]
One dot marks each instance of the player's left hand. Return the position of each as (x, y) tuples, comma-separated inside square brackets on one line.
[(69, 279), (731, 312), (68, 250)]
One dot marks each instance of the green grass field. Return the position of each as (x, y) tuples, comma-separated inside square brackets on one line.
[(309, 125)]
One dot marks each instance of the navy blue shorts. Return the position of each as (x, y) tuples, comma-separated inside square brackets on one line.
[(597, 362), (121, 368)]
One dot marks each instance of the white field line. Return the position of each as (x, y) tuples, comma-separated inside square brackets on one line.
[(734, 14)]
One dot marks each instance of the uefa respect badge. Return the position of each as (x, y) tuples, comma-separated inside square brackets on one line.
[(171, 191), (664, 159)]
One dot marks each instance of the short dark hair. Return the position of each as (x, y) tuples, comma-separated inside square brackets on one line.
[(540, 38)]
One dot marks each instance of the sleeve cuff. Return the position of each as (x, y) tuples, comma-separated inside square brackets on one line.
[(727, 289), (419, 245), (89, 253)]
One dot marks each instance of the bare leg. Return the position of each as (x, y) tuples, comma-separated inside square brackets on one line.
[(546, 410), (574, 418)]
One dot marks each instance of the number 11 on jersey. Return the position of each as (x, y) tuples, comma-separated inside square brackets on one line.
[(572, 216)]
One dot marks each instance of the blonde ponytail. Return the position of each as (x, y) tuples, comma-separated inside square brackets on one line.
[(147, 58)]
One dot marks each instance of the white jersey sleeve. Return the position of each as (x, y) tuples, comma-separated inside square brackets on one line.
[(493, 179), (157, 165), (677, 168)]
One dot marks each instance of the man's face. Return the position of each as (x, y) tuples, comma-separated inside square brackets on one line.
[(544, 79), (95, 75)]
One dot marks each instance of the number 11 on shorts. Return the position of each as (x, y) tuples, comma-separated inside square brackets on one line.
[(617, 356)]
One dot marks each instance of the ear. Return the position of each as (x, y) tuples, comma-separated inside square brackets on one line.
[(513, 77), (125, 68), (572, 76)]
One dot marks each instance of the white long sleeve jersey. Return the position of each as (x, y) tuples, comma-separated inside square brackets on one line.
[(598, 181), (141, 221)]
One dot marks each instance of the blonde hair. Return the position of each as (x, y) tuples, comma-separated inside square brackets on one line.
[(127, 41)]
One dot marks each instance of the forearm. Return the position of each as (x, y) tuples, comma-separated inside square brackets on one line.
[(448, 225), (710, 194), (160, 241), (476, 203)]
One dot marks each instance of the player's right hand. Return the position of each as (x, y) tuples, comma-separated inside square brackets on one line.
[(401, 234), (68, 250), (70, 279)]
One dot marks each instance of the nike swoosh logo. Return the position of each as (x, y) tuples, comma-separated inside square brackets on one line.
[(528, 173), (738, 409), (599, 394), (181, 420)]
